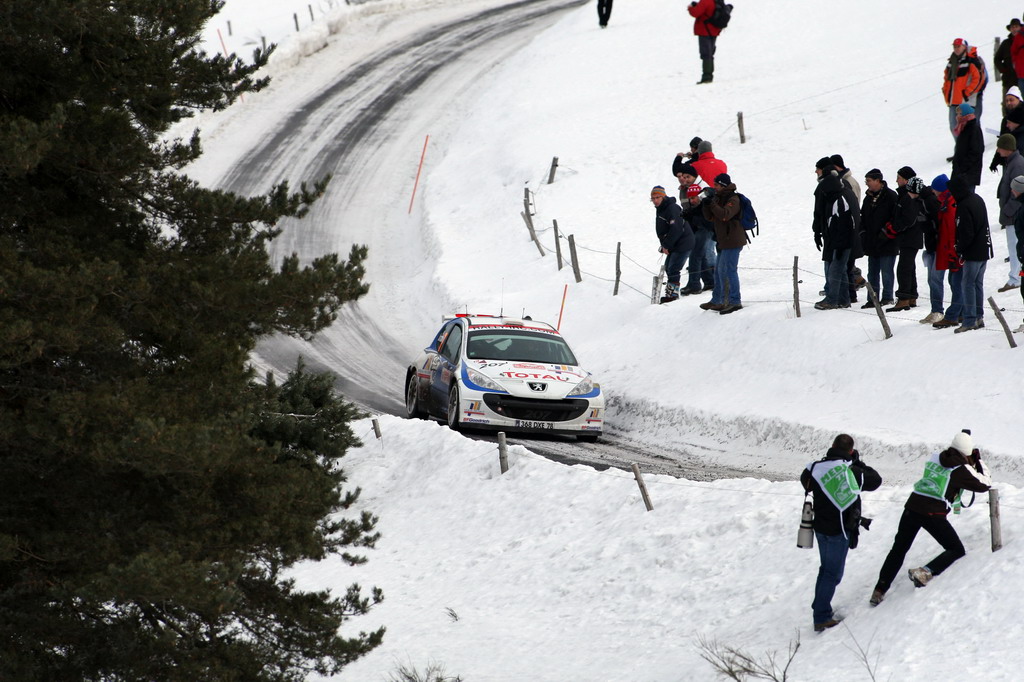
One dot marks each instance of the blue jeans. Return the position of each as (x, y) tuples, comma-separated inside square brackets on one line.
[(886, 266), (956, 291), (674, 265), (935, 277), (700, 269), (837, 289), (974, 291), (833, 550), (726, 271)]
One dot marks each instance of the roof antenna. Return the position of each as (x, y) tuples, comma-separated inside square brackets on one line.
[(501, 309)]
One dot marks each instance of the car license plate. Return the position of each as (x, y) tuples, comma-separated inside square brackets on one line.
[(534, 425)]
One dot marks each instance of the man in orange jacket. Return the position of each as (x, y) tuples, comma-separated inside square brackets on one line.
[(963, 81)]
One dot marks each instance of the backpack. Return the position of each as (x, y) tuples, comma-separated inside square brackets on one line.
[(748, 217), (721, 16)]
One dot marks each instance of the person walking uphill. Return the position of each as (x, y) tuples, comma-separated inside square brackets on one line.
[(963, 80), (604, 12), (701, 11), (837, 480), (675, 236), (723, 210), (946, 475)]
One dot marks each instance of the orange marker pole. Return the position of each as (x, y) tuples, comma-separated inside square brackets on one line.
[(241, 96), (418, 171), (562, 309)]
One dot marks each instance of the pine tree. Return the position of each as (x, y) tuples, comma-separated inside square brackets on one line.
[(153, 493)]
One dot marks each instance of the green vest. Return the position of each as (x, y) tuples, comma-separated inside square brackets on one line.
[(935, 480), (837, 481)]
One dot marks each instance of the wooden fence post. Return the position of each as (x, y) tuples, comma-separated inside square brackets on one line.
[(994, 520), (796, 285), (295, 16), (229, 27), (878, 309), (376, 428), (558, 245), (502, 452), (739, 122), (533, 234), (656, 286), (575, 261), (1002, 320), (618, 269), (643, 488), (311, 17), (551, 174)]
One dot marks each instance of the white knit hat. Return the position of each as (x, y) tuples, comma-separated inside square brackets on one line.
[(1015, 91), (963, 443)]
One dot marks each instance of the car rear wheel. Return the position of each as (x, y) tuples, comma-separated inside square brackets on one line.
[(412, 398), (453, 408)]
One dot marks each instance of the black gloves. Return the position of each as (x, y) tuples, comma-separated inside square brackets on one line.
[(817, 240)]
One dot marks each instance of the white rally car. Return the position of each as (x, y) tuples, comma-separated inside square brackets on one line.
[(505, 374)]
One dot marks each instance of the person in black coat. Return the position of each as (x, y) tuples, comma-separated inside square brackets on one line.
[(973, 248), (969, 150), (909, 239), (839, 221), (675, 236), (604, 12), (837, 480), (876, 214)]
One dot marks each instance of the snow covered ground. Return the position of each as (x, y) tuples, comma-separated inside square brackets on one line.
[(558, 573)]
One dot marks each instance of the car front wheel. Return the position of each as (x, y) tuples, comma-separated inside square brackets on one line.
[(453, 408)]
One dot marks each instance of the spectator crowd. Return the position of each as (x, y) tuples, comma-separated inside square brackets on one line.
[(943, 219)]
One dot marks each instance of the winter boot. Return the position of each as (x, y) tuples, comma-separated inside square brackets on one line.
[(920, 576), (876, 597), (708, 71), (671, 292)]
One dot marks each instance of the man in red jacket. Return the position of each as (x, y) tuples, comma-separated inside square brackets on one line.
[(706, 165), (701, 11)]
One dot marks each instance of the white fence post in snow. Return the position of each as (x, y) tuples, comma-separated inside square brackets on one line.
[(502, 452)]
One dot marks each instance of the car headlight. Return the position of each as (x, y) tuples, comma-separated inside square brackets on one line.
[(584, 387), (483, 381)]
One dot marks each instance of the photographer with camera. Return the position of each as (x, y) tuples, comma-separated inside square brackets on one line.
[(946, 475), (837, 480)]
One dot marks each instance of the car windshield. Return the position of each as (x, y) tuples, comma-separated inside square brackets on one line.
[(506, 344)]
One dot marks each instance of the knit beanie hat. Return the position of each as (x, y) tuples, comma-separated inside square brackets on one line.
[(688, 170), (657, 191), (1006, 142), (695, 142), (723, 179), (1016, 115), (837, 161), (1017, 184), (823, 163), (1014, 91), (965, 109), (940, 182), (963, 443), (704, 146), (915, 185), (874, 174), (695, 189), (906, 172)]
